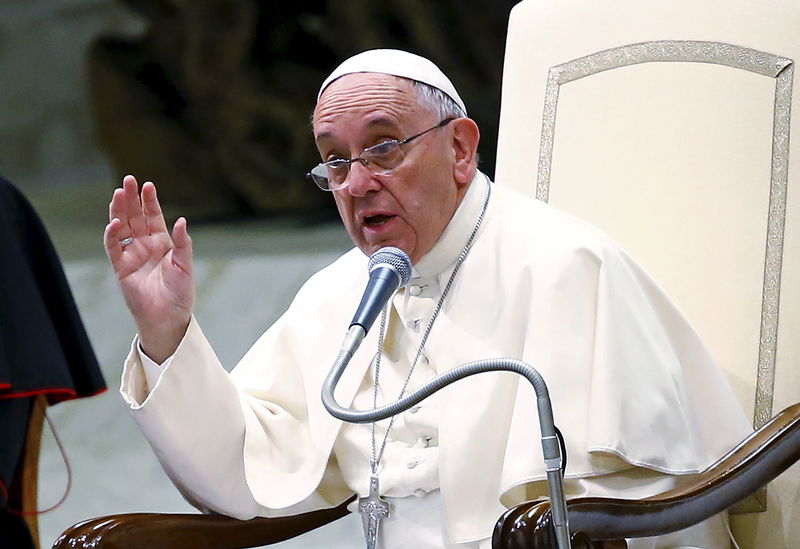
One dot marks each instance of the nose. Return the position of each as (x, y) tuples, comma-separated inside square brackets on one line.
[(361, 180)]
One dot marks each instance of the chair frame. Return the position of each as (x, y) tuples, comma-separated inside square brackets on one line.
[(596, 523), (24, 489)]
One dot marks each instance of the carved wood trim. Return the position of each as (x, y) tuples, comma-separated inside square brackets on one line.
[(188, 531), (760, 458)]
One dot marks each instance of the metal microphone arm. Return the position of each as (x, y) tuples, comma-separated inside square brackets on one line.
[(551, 449)]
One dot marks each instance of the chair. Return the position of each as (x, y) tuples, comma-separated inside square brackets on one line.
[(594, 520), (190, 531), (23, 489), (667, 125)]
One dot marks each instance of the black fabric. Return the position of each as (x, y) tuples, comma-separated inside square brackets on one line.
[(43, 345), (14, 416), (14, 533)]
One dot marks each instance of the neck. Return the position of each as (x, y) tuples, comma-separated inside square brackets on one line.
[(450, 243)]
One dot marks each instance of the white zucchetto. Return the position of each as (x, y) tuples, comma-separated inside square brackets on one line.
[(396, 63)]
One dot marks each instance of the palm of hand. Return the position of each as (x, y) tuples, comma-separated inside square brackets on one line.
[(153, 268), (152, 283)]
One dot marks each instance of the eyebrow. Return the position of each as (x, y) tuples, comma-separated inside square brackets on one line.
[(378, 122)]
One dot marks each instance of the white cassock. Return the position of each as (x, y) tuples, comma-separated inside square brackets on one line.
[(634, 391)]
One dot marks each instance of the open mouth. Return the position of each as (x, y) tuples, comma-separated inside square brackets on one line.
[(377, 220)]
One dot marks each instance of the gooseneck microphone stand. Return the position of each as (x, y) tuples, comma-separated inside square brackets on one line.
[(550, 445)]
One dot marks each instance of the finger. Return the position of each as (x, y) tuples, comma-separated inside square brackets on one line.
[(182, 252), (136, 220), (116, 208), (152, 209), (111, 238)]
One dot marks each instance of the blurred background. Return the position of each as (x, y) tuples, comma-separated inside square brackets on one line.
[(211, 99)]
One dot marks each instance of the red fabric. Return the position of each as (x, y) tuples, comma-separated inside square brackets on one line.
[(44, 348), (54, 395)]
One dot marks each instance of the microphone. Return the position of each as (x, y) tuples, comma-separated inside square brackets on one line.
[(389, 268)]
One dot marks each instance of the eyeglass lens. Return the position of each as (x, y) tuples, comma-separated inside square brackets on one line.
[(379, 158)]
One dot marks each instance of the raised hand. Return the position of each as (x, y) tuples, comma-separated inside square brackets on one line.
[(153, 268)]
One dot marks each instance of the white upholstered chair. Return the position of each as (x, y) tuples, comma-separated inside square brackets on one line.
[(667, 125)]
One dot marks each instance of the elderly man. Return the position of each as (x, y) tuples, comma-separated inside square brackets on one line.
[(495, 275)]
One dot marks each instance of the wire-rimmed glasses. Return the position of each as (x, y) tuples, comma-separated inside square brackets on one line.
[(379, 159)]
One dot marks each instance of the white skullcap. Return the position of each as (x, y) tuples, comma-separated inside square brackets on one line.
[(396, 63)]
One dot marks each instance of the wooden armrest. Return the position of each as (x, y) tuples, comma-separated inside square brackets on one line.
[(191, 531), (760, 458)]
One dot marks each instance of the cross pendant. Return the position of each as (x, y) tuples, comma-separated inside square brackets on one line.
[(372, 509)]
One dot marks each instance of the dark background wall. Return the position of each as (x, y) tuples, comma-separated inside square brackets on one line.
[(209, 98), (213, 99)]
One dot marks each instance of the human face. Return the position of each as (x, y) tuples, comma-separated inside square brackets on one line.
[(410, 206)]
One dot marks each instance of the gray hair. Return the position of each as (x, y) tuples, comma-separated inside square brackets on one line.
[(438, 102)]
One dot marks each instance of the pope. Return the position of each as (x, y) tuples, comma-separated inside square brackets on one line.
[(495, 274)]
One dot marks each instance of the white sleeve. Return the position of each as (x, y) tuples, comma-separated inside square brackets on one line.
[(142, 374), (196, 420), (152, 370)]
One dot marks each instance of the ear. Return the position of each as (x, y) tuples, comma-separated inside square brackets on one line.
[(466, 136)]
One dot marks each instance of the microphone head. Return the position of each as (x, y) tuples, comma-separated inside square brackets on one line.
[(394, 258)]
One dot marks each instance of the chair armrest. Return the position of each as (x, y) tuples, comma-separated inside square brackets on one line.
[(760, 458), (191, 531)]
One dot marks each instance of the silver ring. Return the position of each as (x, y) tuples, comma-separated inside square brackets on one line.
[(125, 241)]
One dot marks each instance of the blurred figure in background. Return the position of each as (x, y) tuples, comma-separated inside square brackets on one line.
[(44, 351)]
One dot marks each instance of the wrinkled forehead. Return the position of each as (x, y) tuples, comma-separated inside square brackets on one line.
[(368, 96)]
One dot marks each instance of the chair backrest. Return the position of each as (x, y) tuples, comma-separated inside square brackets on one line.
[(667, 125)]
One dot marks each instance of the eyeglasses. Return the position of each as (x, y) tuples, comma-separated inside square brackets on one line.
[(379, 159)]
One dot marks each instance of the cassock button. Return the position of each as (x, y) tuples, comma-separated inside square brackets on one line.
[(414, 290), (419, 492), (424, 441), (414, 409), (413, 324), (413, 463)]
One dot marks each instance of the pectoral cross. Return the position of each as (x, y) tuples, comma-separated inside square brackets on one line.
[(373, 509)]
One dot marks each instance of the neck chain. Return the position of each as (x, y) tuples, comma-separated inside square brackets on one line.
[(377, 455), (373, 509)]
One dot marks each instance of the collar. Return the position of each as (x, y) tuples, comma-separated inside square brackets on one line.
[(446, 250)]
